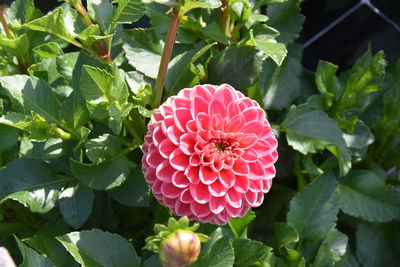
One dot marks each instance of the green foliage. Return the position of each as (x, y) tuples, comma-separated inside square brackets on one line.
[(77, 91)]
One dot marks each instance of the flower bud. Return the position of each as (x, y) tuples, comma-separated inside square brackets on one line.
[(180, 248)]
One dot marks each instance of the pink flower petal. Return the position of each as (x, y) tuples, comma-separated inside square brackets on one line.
[(194, 160), (248, 140), (166, 147), (182, 209), (199, 104), (154, 158), (187, 142), (200, 192), (181, 118), (158, 136), (164, 171), (233, 211), (217, 189), (233, 109), (234, 198), (192, 173), (181, 102), (250, 156), (267, 183), (235, 124), (216, 107), (203, 121), (217, 204), (186, 196), (253, 127), (200, 210), (225, 94), (242, 184), (170, 191), (203, 91), (207, 175), (256, 185), (179, 160), (179, 179), (256, 170), (227, 178), (241, 167)]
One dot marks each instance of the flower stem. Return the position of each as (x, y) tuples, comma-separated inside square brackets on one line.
[(226, 18), (166, 56)]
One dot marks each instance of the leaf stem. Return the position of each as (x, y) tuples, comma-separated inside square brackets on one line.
[(3, 21), (226, 18), (298, 172), (22, 65), (103, 51), (166, 56)]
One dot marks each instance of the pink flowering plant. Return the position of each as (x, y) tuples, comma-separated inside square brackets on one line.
[(188, 133)]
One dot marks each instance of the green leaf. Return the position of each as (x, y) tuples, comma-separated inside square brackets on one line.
[(22, 10), (128, 11), (45, 243), (48, 50), (280, 86), (364, 195), (24, 174), (313, 211), (49, 149), (214, 32), (95, 248), (8, 137), (309, 130), (191, 4), (30, 94), (54, 24), (181, 73), (101, 11), (276, 51), (365, 77), (239, 225), (73, 111), (248, 252), (327, 82), (377, 245), (95, 83), (19, 46), (153, 261), (285, 234), (286, 18), (38, 128), (332, 249), (102, 148), (143, 50), (31, 257), (220, 255), (75, 204), (40, 200), (133, 192), (237, 66), (104, 176)]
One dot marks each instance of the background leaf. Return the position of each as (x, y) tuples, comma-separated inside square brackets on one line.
[(97, 248), (313, 211), (365, 195)]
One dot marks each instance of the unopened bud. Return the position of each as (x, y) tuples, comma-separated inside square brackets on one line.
[(180, 248)]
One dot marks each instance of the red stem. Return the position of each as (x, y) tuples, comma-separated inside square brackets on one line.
[(166, 56)]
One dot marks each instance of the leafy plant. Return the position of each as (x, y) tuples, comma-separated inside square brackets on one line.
[(78, 87)]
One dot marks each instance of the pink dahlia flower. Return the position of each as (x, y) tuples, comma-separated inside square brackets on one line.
[(209, 154)]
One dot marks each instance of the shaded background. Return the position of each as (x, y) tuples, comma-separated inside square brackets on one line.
[(344, 43)]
